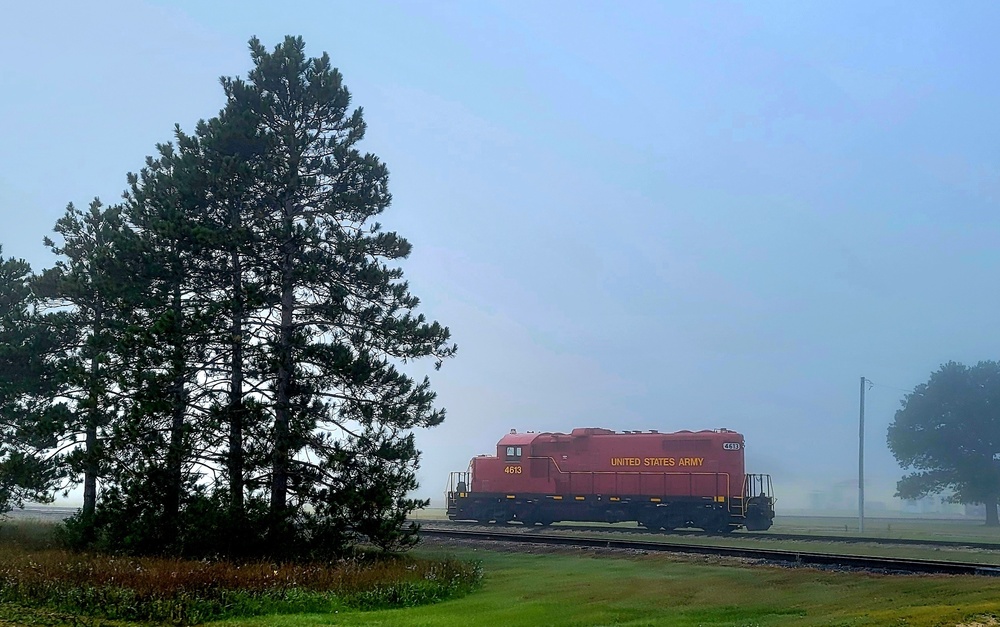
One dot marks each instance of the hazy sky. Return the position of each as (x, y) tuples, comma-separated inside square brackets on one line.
[(632, 215)]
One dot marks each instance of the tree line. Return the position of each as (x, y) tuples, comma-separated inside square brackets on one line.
[(217, 358)]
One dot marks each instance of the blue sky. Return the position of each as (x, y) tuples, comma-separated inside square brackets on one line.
[(632, 215)]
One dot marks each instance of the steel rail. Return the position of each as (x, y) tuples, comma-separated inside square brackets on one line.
[(890, 564)]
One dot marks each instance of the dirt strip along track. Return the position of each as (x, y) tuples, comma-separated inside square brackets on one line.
[(883, 564), (763, 535)]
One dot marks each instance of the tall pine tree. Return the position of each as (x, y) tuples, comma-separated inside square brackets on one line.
[(341, 318), (89, 282), (29, 384), (169, 404), (230, 154), (236, 332)]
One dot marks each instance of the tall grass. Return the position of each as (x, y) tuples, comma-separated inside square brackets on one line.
[(28, 534), (185, 592)]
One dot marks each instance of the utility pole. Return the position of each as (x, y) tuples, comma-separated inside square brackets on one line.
[(861, 462)]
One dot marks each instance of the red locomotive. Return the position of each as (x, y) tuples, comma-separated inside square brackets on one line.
[(661, 480)]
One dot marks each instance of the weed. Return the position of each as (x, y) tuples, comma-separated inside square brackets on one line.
[(184, 592)]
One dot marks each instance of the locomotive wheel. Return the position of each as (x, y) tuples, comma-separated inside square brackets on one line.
[(655, 523), (721, 527), (531, 521)]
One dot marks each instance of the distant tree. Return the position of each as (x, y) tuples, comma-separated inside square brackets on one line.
[(28, 382), (948, 432)]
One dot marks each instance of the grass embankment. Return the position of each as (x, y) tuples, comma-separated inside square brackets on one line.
[(42, 584), (952, 554), (879, 529), (960, 530)]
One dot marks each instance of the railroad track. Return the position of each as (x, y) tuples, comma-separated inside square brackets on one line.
[(759, 535), (882, 564)]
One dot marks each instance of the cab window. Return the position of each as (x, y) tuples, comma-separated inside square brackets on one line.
[(513, 453)]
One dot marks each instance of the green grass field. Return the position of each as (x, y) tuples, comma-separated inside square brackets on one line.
[(564, 587), (572, 588)]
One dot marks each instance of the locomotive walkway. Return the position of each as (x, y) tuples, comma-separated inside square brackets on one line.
[(792, 557)]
